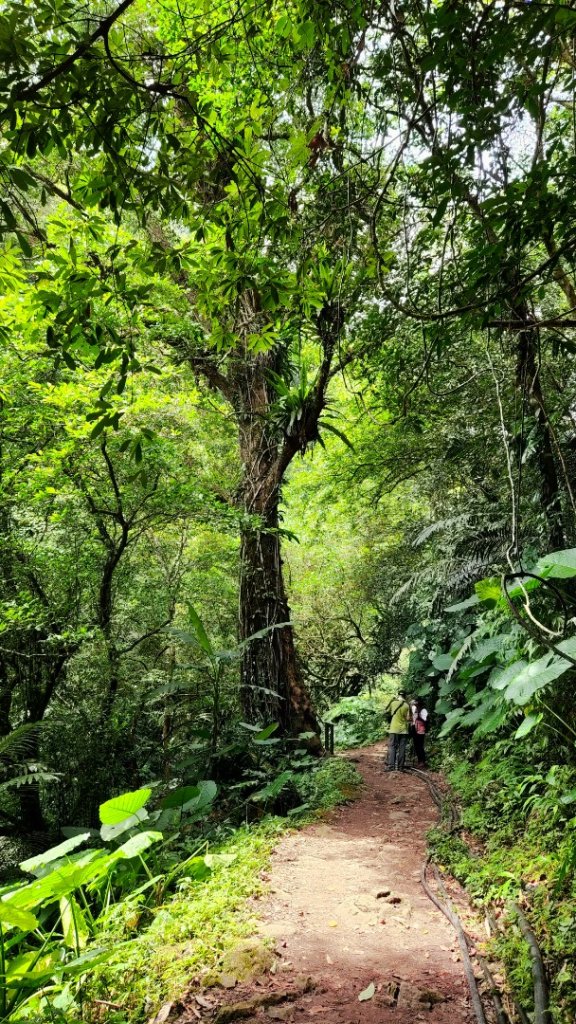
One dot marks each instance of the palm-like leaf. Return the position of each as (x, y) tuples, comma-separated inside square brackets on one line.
[(19, 743)]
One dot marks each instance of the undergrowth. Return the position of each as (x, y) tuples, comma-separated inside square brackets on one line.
[(515, 846), (177, 920), (189, 934), (359, 721)]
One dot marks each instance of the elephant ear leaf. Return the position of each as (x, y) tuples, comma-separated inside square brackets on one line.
[(560, 565), (36, 865), (113, 811), (534, 677), (529, 723)]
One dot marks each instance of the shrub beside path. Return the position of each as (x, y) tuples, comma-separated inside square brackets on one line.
[(356, 939)]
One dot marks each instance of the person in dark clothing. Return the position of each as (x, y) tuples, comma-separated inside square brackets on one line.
[(419, 729)]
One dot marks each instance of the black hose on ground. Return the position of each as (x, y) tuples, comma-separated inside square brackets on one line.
[(433, 789), (451, 915), (519, 1009), (446, 909), (501, 1015), (541, 1002), (541, 1005), (437, 797)]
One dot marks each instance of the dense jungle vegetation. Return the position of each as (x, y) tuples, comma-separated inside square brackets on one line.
[(286, 414)]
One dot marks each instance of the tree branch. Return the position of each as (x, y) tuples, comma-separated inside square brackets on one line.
[(103, 28)]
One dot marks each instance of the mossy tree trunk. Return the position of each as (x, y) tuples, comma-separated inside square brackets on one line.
[(271, 685)]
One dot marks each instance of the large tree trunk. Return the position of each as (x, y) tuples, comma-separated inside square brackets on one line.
[(271, 687)]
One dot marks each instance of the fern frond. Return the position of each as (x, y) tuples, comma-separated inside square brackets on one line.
[(19, 743), (438, 527), (28, 779), (463, 651)]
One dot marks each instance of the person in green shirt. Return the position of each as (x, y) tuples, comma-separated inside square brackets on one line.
[(399, 709)]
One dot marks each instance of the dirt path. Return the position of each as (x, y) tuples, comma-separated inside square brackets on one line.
[(346, 912)]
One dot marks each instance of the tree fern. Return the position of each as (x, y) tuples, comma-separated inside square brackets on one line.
[(15, 748)]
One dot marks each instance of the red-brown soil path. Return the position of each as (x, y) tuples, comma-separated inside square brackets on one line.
[(346, 911)]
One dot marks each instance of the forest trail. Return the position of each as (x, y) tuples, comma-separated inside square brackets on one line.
[(346, 910)]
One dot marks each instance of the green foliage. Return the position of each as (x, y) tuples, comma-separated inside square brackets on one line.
[(330, 783), (131, 918), (223, 240), (160, 945), (57, 918), (359, 720), (517, 815)]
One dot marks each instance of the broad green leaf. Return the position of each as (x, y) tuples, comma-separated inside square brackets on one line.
[(62, 880), (557, 564), (569, 797), (13, 917), (181, 796), (207, 790), (265, 733), (28, 970), (568, 646), (112, 812), (137, 844), (452, 719), (94, 955), (523, 586), (42, 860), (442, 662), (529, 723), (111, 832), (197, 868), (219, 860), (470, 602), (535, 677), (500, 678)]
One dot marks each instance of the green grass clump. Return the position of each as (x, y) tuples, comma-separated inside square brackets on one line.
[(332, 782)]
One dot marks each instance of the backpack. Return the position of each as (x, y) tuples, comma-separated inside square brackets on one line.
[(421, 725)]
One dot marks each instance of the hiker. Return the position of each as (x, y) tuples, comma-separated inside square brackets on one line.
[(399, 709), (418, 730)]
